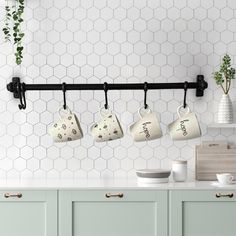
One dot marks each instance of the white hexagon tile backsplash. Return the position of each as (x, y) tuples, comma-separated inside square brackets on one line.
[(117, 41)]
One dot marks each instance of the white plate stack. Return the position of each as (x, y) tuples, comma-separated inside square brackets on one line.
[(153, 176)]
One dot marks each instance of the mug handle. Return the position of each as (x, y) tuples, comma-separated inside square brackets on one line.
[(182, 107), (103, 111), (148, 110), (91, 127), (231, 178), (63, 112)]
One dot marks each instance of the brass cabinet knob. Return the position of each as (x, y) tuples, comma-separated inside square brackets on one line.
[(119, 195), (17, 195), (229, 195)]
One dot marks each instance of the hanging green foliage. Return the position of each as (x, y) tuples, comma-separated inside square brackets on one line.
[(6, 30), (15, 14)]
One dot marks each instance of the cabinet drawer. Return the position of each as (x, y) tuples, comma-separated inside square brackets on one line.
[(202, 212), (24, 195), (115, 195), (27, 213), (204, 195), (113, 213)]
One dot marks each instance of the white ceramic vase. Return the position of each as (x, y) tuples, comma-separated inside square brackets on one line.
[(225, 110)]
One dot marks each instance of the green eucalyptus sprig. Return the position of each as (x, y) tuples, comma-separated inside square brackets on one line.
[(17, 14), (6, 30), (224, 76)]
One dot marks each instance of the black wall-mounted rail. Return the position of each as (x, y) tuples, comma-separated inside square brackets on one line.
[(16, 87)]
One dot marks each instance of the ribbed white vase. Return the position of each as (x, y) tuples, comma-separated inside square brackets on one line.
[(225, 110)]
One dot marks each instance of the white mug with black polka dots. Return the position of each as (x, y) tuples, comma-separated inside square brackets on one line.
[(67, 128), (108, 128)]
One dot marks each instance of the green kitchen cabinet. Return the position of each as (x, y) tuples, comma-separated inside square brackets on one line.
[(202, 212), (113, 213), (28, 213)]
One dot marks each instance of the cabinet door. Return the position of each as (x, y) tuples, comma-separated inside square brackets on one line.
[(28, 213), (106, 213), (202, 213)]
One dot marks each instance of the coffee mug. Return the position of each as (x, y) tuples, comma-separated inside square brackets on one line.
[(225, 178), (67, 128), (147, 128), (186, 126), (108, 128)]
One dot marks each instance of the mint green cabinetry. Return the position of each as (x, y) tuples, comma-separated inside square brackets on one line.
[(33, 214), (201, 213), (90, 213)]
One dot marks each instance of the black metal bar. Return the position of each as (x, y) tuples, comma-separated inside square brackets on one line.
[(109, 86), (200, 86)]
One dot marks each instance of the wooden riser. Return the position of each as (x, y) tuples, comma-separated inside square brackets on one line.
[(212, 161)]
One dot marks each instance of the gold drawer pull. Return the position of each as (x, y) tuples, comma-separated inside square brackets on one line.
[(120, 195), (230, 195), (18, 195)]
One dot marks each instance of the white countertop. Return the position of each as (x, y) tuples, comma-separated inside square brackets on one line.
[(108, 184)]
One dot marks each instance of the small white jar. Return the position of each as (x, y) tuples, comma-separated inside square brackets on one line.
[(179, 170)]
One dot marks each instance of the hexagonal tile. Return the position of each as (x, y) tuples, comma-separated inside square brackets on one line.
[(113, 164), (122, 41), (60, 71), (73, 164), (53, 36), (20, 164), (11, 152), (67, 152), (40, 129), (59, 164), (60, 25), (127, 164), (66, 13), (94, 152), (200, 13), (140, 163), (33, 164), (173, 153), (120, 153), (87, 164), (100, 164)]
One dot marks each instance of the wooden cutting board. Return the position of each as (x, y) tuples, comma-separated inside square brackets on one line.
[(213, 160)]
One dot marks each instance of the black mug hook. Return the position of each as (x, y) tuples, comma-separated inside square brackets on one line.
[(145, 94), (105, 87), (64, 95), (185, 93), (21, 89)]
